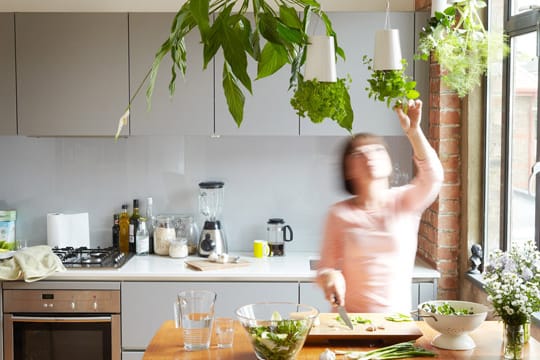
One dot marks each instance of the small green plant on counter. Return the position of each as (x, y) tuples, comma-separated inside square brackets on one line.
[(392, 87), (321, 100), (461, 45)]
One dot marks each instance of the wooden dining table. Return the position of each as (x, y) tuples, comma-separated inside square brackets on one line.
[(167, 343)]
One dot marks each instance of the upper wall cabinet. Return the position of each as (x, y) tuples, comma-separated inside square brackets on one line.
[(8, 115), (356, 33), (191, 109), (266, 112), (72, 73)]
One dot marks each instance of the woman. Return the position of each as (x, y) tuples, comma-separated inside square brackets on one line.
[(370, 240)]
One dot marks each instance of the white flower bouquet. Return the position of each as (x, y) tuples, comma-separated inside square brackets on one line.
[(512, 282)]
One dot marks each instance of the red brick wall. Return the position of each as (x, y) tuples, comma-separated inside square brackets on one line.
[(439, 233)]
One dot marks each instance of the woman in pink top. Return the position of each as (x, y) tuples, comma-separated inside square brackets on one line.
[(370, 240)]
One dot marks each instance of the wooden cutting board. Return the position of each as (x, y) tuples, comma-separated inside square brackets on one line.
[(386, 332), (205, 265)]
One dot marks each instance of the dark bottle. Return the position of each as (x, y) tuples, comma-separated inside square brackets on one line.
[(116, 231), (133, 226)]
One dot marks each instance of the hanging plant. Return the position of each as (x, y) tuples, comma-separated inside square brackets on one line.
[(321, 100), (460, 44), (277, 22), (393, 87)]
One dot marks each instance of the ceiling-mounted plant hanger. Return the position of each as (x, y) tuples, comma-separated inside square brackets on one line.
[(387, 54), (388, 82), (320, 94)]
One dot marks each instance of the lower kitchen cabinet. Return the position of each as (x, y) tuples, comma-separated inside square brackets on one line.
[(146, 305)]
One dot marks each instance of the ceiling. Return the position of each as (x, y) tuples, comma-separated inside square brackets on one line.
[(174, 5)]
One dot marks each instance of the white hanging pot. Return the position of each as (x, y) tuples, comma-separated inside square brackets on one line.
[(320, 59), (387, 50), (438, 5)]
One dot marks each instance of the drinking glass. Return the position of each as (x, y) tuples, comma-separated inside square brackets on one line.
[(194, 313), (224, 328)]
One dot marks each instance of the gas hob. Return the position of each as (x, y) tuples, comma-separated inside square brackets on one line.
[(84, 258)]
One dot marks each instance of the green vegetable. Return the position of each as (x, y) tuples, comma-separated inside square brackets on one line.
[(446, 309), (321, 100), (392, 87), (355, 320), (279, 340), (397, 351), (399, 317)]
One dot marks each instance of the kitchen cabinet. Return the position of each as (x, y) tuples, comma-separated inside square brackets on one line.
[(191, 109), (356, 31), (8, 115), (266, 112), (72, 73), (146, 305)]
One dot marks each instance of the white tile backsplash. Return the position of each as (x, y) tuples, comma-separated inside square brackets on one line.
[(295, 178)]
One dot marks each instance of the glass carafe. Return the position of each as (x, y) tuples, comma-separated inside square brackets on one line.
[(211, 195)]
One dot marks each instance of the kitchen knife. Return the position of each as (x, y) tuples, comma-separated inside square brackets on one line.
[(343, 314)]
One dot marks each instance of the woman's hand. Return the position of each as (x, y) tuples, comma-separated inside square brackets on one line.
[(411, 119), (333, 284)]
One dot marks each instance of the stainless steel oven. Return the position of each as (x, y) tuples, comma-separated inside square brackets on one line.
[(58, 324)]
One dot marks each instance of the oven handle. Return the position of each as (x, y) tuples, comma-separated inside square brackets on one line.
[(64, 319)]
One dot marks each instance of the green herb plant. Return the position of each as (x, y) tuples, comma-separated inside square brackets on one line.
[(392, 87), (277, 36), (321, 100), (461, 45)]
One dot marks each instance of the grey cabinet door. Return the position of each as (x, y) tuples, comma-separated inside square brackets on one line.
[(72, 73), (267, 112), (146, 305), (191, 109), (8, 115), (356, 34)]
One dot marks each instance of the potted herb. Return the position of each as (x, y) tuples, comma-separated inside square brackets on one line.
[(320, 100), (392, 87), (460, 44), (223, 24)]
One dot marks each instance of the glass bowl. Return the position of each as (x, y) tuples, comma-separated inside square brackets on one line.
[(277, 330), (454, 328)]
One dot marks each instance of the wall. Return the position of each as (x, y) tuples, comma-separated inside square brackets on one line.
[(296, 178)]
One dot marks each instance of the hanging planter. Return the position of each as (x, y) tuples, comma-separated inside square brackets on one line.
[(458, 41), (319, 94), (223, 24), (388, 82)]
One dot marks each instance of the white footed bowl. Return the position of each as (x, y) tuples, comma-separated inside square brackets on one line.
[(454, 329)]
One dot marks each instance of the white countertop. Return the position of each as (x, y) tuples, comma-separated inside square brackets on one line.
[(292, 267)]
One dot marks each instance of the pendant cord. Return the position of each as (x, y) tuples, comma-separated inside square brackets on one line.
[(387, 20)]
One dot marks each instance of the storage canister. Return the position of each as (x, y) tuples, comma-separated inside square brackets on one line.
[(7, 229)]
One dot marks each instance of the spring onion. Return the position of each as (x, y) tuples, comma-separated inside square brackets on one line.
[(399, 317), (397, 351), (355, 320)]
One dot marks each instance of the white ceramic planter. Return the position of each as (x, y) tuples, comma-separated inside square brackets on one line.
[(321, 59), (387, 50)]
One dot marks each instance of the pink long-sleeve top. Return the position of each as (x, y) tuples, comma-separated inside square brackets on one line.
[(376, 249)]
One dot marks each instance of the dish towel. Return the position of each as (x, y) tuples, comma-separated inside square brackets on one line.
[(31, 264)]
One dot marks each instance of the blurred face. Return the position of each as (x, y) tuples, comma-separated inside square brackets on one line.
[(369, 162)]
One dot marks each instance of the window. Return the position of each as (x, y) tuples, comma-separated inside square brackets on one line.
[(512, 129)]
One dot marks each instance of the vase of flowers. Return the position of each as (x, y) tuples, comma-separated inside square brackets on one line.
[(512, 282)]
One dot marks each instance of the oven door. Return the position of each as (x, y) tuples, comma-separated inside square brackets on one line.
[(59, 337)]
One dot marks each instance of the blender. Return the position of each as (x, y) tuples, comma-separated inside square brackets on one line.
[(212, 237)]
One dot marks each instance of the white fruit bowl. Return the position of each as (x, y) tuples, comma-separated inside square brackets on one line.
[(454, 329)]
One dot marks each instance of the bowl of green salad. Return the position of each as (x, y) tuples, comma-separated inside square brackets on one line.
[(277, 330), (454, 320)]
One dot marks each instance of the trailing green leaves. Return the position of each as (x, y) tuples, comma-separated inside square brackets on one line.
[(392, 87), (321, 100), (461, 45), (285, 38)]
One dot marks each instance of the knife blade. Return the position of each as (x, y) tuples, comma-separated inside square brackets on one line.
[(343, 314)]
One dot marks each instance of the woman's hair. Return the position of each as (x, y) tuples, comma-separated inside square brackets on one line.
[(352, 143)]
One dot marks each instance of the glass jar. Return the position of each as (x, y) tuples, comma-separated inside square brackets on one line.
[(187, 228), (178, 248), (164, 234)]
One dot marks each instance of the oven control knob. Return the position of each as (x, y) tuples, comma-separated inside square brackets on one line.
[(73, 305), (95, 305), (45, 305)]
